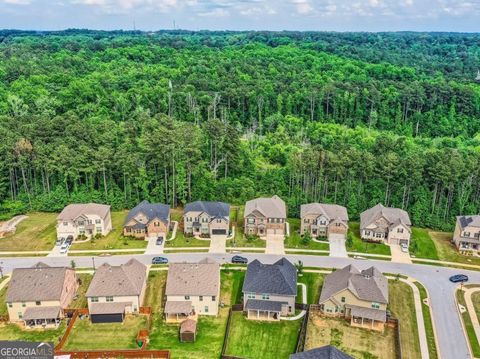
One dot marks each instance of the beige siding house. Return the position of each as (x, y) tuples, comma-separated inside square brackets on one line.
[(390, 225), (37, 296), (147, 220), (265, 216), (466, 236), (206, 218), (269, 290), (361, 296), (84, 219), (192, 289), (116, 291), (322, 220)]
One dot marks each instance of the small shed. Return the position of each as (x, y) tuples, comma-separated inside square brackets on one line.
[(188, 330)]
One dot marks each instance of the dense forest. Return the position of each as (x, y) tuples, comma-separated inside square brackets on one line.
[(354, 118)]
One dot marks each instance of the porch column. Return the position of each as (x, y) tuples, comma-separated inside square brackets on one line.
[(258, 314), (362, 321), (372, 323)]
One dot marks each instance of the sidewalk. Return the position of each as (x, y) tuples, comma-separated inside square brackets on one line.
[(471, 309)]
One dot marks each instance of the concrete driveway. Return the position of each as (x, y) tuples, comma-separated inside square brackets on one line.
[(218, 244), (152, 247), (275, 244), (398, 255), (337, 245)]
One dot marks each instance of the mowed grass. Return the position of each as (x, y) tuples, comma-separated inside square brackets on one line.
[(80, 300), (14, 332), (114, 239), (35, 233), (447, 251), (476, 303), (295, 239), (210, 330), (111, 336), (3, 304), (402, 306), (262, 340), (314, 283), (422, 245), (364, 247), (472, 338), (155, 290)]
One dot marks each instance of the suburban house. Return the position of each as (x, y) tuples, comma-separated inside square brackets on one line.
[(206, 218), (116, 291), (323, 220), (391, 225), (467, 233), (325, 352), (147, 220), (361, 296), (192, 289), (265, 216), (84, 219), (37, 296), (269, 290)]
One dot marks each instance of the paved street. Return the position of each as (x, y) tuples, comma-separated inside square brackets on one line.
[(449, 328)]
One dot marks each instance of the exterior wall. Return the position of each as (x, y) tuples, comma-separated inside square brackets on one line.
[(466, 239), (207, 223), (261, 225), (162, 227), (392, 236), (73, 228), (286, 309), (338, 227), (330, 308), (17, 309), (206, 306), (322, 230), (188, 219), (395, 235), (220, 224), (133, 299)]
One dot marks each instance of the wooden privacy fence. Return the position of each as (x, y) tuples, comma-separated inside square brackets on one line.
[(303, 331), (91, 354), (74, 315)]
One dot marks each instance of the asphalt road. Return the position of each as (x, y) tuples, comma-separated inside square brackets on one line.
[(452, 342)]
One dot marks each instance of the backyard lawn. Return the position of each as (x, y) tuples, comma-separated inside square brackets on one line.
[(14, 332), (422, 245), (446, 251), (358, 342), (111, 336), (314, 283), (262, 340), (295, 240), (80, 300), (472, 338), (36, 233), (3, 304), (155, 290), (402, 306), (364, 247), (114, 239)]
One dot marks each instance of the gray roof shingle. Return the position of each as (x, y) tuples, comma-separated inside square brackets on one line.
[(150, 210), (391, 214), (74, 210), (273, 207), (126, 279), (214, 209), (193, 278), (264, 305), (326, 352), (51, 312), (108, 308), (332, 211), (278, 278)]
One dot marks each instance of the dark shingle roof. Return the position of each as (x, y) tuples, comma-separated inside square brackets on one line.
[(278, 278), (473, 221), (326, 352), (270, 305), (389, 213), (150, 210), (214, 209)]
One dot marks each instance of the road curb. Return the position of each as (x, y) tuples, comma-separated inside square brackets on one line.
[(463, 323)]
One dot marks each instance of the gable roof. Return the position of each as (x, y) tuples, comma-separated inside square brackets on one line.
[(125, 279), (472, 221), (214, 209), (325, 352), (332, 211), (273, 207), (150, 210), (75, 210), (369, 284), (278, 278), (391, 214), (40, 282), (201, 278)]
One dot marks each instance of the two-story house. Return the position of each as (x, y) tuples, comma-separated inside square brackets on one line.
[(387, 224), (361, 296), (116, 290), (322, 220), (192, 288), (466, 236), (269, 290), (265, 216), (37, 296), (206, 218), (84, 219), (147, 220)]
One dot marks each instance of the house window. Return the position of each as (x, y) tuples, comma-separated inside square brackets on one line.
[(38, 302), (206, 309), (214, 298), (81, 231), (375, 305), (200, 298), (399, 230), (466, 234), (99, 229), (20, 315), (109, 298), (97, 221), (265, 296), (367, 233), (187, 297), (65, 223), (337, 224), (343, 300), (81, 223), (322, 223), (10, 305), (251, 295), (23, 304), (306, 220), (378, 235), (129, 230), (250, 220), (94, 299)]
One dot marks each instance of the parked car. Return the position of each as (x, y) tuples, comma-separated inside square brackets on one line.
[(404, 247), (59, 241), (69, 240), (239, 259), (458, 278), (159, 260), (64, 248), (159, 241)]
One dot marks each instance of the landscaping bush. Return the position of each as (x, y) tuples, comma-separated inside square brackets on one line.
[(306, 239)]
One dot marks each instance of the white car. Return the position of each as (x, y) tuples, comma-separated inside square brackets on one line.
[(64, 248), (404, 247)]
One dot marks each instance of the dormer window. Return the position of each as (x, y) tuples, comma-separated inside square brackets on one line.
[(399, 230), (466, 234)]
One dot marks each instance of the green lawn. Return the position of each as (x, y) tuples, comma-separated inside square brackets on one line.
[(472, 338), (364, 247), (80, 300), (182, 241), (262, 340), (210, 330), (36, 233), (295, 240), (114, 239), (446, 251), (476, 303), (402, 306), (88, 336), (422, 245), (155, 290), (314, 283), (3, 304), (14, 332), (432, 346)]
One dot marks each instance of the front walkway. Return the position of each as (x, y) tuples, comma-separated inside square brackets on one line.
[(337, 245), (174, 231), (471, 309), (275, 244), (304, 301), (398, 255)]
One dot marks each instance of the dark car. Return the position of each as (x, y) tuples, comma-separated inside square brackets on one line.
[(59, 241), (69, 240), (159, 241), (159, 260), (239, 259), (458, 278)]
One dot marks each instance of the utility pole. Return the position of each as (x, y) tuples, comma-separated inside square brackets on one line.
[(93, 262), (1, 270)]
